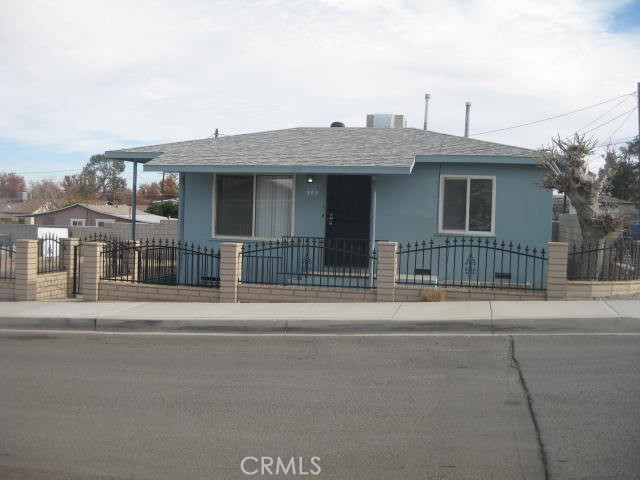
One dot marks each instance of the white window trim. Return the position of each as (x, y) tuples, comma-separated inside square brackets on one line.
[(466, 222), (81, 222), (104, 220), (216, 236)]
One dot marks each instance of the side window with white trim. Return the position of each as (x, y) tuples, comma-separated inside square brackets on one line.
[(467, 205)]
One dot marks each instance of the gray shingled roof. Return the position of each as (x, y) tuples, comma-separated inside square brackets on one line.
[(324, 147)]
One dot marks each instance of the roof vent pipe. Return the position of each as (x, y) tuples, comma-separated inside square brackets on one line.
[(337, 125), (466, 118), (426, 109)]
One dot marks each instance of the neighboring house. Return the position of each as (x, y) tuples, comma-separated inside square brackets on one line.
[(625, 207), (85, 215), (22, 211), (400, 184)]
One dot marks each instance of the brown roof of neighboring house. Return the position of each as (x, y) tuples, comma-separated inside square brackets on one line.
[(14, 207), (120, 211)]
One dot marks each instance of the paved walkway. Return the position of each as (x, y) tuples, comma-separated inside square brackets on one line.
[(600, 316)]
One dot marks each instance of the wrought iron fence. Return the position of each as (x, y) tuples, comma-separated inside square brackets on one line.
[(78, 258), (161, 262), (50, 254), (310, 261), (619, 260), (7, 264), (101, 237), (469, 262)]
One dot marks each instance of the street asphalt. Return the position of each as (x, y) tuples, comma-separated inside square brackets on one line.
[(586, 396), (131, 406), (459, 390)]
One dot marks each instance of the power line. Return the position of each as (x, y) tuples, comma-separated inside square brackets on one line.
[(616, 141), (621, 123), (50, 171), (604, 114), (555, 116), (628, 112)]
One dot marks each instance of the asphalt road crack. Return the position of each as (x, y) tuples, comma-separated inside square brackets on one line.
[(516, 365)]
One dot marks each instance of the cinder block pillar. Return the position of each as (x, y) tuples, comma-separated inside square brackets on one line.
[(557, 271), (91, 270), (387, 268), (132, 259), (230, 270), (26, 265), (68, 260)]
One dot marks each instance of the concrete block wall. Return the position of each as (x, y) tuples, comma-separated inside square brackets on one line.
[(557, 270), (124, 291), (91, 270), (28, 285), (408, 293), (590, 289), (569, 229), (18, 231), (298, 294), (230, 270), (51, 286), (413, 293), (26, 268), (7, 289), (387, 267), (166, 229), (462, 294)]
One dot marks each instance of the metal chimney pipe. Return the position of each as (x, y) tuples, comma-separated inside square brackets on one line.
[(466, 118), (426, 109)]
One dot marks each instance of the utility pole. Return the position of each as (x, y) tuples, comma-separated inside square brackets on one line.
[(162, 194)]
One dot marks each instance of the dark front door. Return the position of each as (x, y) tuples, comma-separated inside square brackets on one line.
[(348, 217)]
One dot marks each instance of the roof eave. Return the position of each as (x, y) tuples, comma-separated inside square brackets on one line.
[(493, 159), (140, 157), (280, 169)]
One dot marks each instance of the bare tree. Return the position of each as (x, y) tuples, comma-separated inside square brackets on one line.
[(11, 185), (566, 162), (48, 190)]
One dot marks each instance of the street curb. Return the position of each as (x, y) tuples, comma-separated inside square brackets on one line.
[(282, 326), (294, 326), (204, 325), (48, 323)]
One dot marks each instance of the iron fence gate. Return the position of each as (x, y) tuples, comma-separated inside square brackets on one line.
[(78, 259)]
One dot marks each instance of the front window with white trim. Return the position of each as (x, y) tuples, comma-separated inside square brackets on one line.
[(467, 204), (253, 205), (77, 222)]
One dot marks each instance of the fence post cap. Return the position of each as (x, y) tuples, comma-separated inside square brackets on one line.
[(386, 243)]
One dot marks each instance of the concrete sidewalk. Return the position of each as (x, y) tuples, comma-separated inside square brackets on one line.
[(600, 316)]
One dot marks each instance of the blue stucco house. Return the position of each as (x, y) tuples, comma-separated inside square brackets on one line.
[(399, 184)]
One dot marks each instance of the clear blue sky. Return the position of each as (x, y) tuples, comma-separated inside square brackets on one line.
[(82, 77)]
